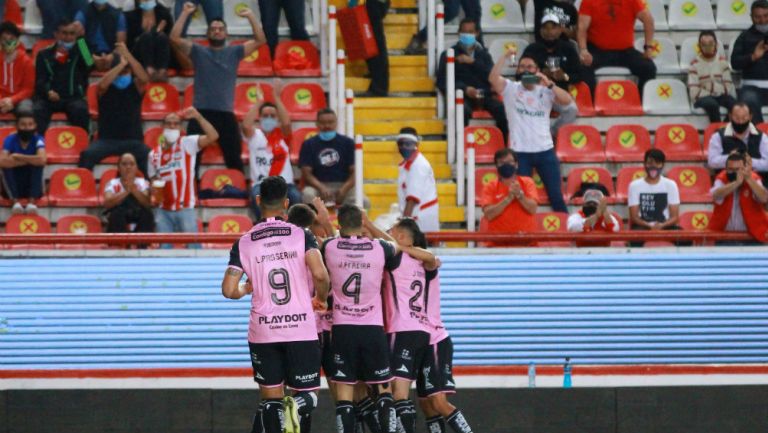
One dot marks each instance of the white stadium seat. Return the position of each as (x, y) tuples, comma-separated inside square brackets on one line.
[(656, 7), (689, 49), (733, 14), (666, 96), (665, 55), (33, 22), (500, 46), (501, 16), (529, 16), (691, 15)]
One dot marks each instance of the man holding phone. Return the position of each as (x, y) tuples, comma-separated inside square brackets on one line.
[(748, 56), (528, 101)]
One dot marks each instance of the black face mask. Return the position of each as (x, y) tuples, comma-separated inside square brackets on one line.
[(731, 175), (518, 76), (25, 135), (739, 128), (216, 42), (589, 209), (549, 44), (507, 170)]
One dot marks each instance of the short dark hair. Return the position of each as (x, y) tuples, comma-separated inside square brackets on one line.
[(214, 19), (737, 156), (655, 154), (708, 33), (528, 56), (409, 224), (326, 110), (272, 192), (24, 114), (301, 215), (467, 20), (350, 217), (9, 27), (266, 105), (741, 104), (63, 22), (409, 130), (501, 153), (758, 4)]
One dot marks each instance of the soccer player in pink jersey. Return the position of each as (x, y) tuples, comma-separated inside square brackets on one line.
[(360, 353), (277, 257)]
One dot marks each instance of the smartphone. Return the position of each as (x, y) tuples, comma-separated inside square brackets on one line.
[(530, 79)]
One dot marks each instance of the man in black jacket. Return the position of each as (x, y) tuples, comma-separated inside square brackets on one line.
[(61, 79), (473, 64), (748, 56)]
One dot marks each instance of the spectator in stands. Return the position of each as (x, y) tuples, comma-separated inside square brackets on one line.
[(102, 25), (127, 200), (148, 26), (748, 56), (654, 200), (294, 15), (417, 192), (472, 11), (509, 203), (593, 217), (473, 64), (709, 78), (566, 14), (378, 66), (606, 36), (558, 56), (212, 9), (120, 91), (327, 163), (53, 11), (215, 77), (739, 199), (171, 168), (17, 77), (268, 151), (528, 102), (61, 80), (741, 135), (22, 161)]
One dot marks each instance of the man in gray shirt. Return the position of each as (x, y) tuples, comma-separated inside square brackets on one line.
[(215, 76)]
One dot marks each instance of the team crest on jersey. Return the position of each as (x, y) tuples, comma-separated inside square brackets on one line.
[(406, 354)]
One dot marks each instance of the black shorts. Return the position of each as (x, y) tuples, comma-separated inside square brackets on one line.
[(326, 354), (437, 376), (360, 354), (295, 364), (409, 351)]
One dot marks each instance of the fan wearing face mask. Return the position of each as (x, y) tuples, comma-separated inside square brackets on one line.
[(22, 160), (740, 134), (268, 151), (654, 200), (149, 26), (593, 216), (748, 55), (417, 192), (102, 25), (709, 78), (17, 76)]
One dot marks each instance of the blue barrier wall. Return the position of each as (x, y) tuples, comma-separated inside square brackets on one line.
[(505, 309)]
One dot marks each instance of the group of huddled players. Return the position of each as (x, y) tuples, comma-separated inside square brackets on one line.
[(364, 305)]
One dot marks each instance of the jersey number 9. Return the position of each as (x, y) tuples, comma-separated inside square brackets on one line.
[(279, 282)]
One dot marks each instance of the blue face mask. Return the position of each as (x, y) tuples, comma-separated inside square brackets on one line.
[(467, 39), (268, 124), (100, 2), (327, 135), (148, 6), (122, 81), (66, 45)]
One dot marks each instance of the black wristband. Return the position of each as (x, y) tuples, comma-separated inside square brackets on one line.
[(551, 85)]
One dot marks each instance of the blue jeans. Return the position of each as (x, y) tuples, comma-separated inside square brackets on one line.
[(294, 14), (294, 196), (471, 8), (548, 167), (211, 9), (755, 97), (25, 181), (52, 11), (180, 221)]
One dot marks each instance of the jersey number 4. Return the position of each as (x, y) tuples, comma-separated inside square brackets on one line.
[(351, 287), (281, 285)]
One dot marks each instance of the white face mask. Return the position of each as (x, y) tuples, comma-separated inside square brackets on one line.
[(171, 135)]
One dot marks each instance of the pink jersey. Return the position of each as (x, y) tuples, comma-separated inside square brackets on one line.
[(404, 297), (437, 331), (356, 266), (272, 256)]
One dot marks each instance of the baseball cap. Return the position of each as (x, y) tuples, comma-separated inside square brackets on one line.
[(593, 195), (550, 18)]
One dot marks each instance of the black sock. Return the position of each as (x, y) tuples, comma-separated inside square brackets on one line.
[(436, 424), (257, 426), (272, 415), (305, 423), (385, 406), (406, 415), (458, 423), (345, 417), (368, 414), (306, 402)]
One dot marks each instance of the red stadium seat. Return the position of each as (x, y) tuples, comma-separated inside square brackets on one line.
[(5, 131), (711, 129), (212, 154), (626, 143), (27, 225), (79, 224), (618, 98), (298, 137), (763, 127), (488, 139), (303, 100), (92, 96), (249, 94), (159, 100), (189, 96), (216, 179), (296, 59), (679, 142), (695, 220), (624, 178), (63, 144), (258, 64), (483, 176), (72, 187), (40, 45), (153, 136), (580, 143), (552, 222), (693, 182), (583, 97), (577, 176), (542, 197), (228, 223)]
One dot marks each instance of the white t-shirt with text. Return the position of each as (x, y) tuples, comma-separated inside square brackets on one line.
[(528, 117), (653, 199)]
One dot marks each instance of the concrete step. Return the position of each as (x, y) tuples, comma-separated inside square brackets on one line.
[(406, 102), (397, 39), (389, 171), (399, 66), (395, 158), (386, 200), (398, 114), (396, 84), (448, 214), (390, 189), (395, 4), (391, 147), (392, 127)]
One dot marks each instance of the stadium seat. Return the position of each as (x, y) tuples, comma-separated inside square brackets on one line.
[(237, 25), (298, 137), (40, 45), (303, 100), (92, 96), (27, 225), (153, 136), (500, 46), (63, 144), (159, 100), (552, 222), (72, 187), (33, 21), (733, 14), (215, 179), (711, 129), (580, 175), (694, 183), (626, 143), (625, 176), (542, 198), (583, 97), (580, 143), (666, 96), (689, 50), (198, 25), (612, 70), (656, 7), (228, 223), (528, 16), (79, 224), (763, 127), (695, 220), (483, 176), (690, 15), (5, 131), (501, 16), (679, 142), (664, 54), (249, 94), (488, 140), (296, 59), (212, 154), (617, 98), (258, 64)]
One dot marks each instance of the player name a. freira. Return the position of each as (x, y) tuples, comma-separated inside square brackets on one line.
[(354, 265), (282, 255), (285, 318)]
